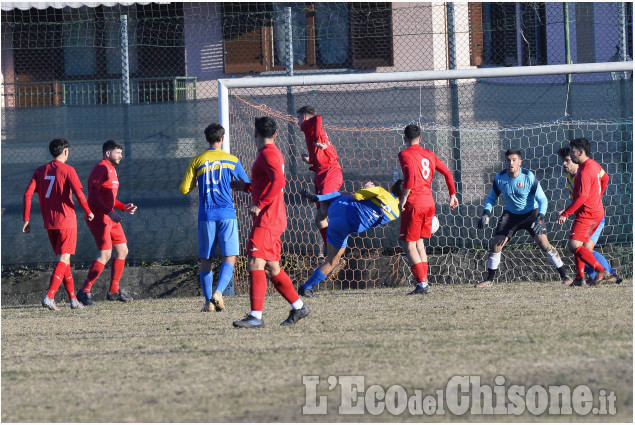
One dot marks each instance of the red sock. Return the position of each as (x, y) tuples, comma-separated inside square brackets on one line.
[(587, 256), (579, 268), (69, 284), (282, 283), (56, 279), (417, 271), (424, 267), (323, 233), (95, 270), (115, 276), (257, 289)]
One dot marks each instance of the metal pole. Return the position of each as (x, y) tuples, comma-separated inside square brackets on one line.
[(125, 91), (288, 40), (622, 35), (567, 37), (519, 36), (456, 121)]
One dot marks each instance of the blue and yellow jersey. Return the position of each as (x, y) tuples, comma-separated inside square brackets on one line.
[(212, 171), (522, 193), (571, 178), (375, 206)]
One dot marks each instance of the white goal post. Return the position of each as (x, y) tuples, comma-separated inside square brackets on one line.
[(391, 77)]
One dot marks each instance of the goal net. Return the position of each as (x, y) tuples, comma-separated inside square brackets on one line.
[(365, 122)]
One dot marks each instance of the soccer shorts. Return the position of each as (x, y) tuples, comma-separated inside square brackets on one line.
[(63, 241), (416, 223), (339, 225), (510, 223), (265, 243), (583, 228), (106, 232), (598, 232), (328, 180), (223, 233)]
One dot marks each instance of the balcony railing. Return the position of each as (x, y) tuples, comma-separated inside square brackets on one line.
[(97, 92)]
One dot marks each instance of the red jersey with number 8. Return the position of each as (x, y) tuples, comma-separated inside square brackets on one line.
[(55, 182), (418, 165)]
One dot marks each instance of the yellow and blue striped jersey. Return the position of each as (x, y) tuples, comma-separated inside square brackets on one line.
[(571, 179), (382, 198), (212, 171)]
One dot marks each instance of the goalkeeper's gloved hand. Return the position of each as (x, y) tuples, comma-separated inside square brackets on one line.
[(538, 226), (308, 195), (484, 221)]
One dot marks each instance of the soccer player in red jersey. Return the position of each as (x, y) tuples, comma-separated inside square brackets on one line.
[(269, 223), (324, 163), (417, 204), (103, 185), (588, 209), (55, 182)]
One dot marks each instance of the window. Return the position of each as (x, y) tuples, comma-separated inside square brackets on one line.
[(508, 34), (325, 35)]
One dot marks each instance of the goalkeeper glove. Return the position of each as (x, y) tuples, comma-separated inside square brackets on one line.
[(484, 221), (538, 226), (308, 195)]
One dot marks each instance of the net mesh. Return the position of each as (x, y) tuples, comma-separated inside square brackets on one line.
[(62, 76)]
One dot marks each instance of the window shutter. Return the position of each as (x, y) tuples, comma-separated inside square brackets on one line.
[(246, 33), (475, 11), (371, 35)]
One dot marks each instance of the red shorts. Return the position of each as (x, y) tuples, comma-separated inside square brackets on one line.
[(328, 180), (583, 228), (63, 241), (264, 243), (106, 232), (416, 223)]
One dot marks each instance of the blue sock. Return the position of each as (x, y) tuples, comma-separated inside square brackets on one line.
[(315, 278), (603, 261), (224, 276), (206, 284)]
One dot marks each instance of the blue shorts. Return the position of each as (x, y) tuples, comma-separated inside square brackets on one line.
[(598, 232), (221, 232), (339, 226)]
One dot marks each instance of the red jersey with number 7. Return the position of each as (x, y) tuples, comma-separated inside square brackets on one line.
[(418, 165), (55, 183), (587, 192)]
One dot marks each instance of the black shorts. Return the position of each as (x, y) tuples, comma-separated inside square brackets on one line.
[(510, 223)]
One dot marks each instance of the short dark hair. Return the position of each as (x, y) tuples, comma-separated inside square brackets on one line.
[(582, 144), (564, 152), (214, 133), (397, 188), (309, 110), (514, 152), (57, 146), (265, 127), (412, 131), (110, 146)]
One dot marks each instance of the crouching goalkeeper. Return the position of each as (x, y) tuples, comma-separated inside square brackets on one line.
[(525, 207)]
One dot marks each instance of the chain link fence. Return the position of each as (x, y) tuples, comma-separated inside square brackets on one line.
[(63, 75)]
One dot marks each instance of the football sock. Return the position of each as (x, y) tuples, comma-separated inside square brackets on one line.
[(115, 276), (492, 264), (207, 279), (224, 276), (95, 270), (314, 279), (69, 284), (257, 290), (298, 304), (579, 268), (422, 284), (424, 267), (587, 257), (554, 257), (283, 284), (256, 314), (417, 272), (56, 279), (602, 261), (323, 233)]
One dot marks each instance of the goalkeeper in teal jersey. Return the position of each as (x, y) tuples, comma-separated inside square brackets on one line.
[(525, 208), (212, 171), (372, 206)]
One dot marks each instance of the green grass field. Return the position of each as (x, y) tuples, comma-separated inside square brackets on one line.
[(162, 360)]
